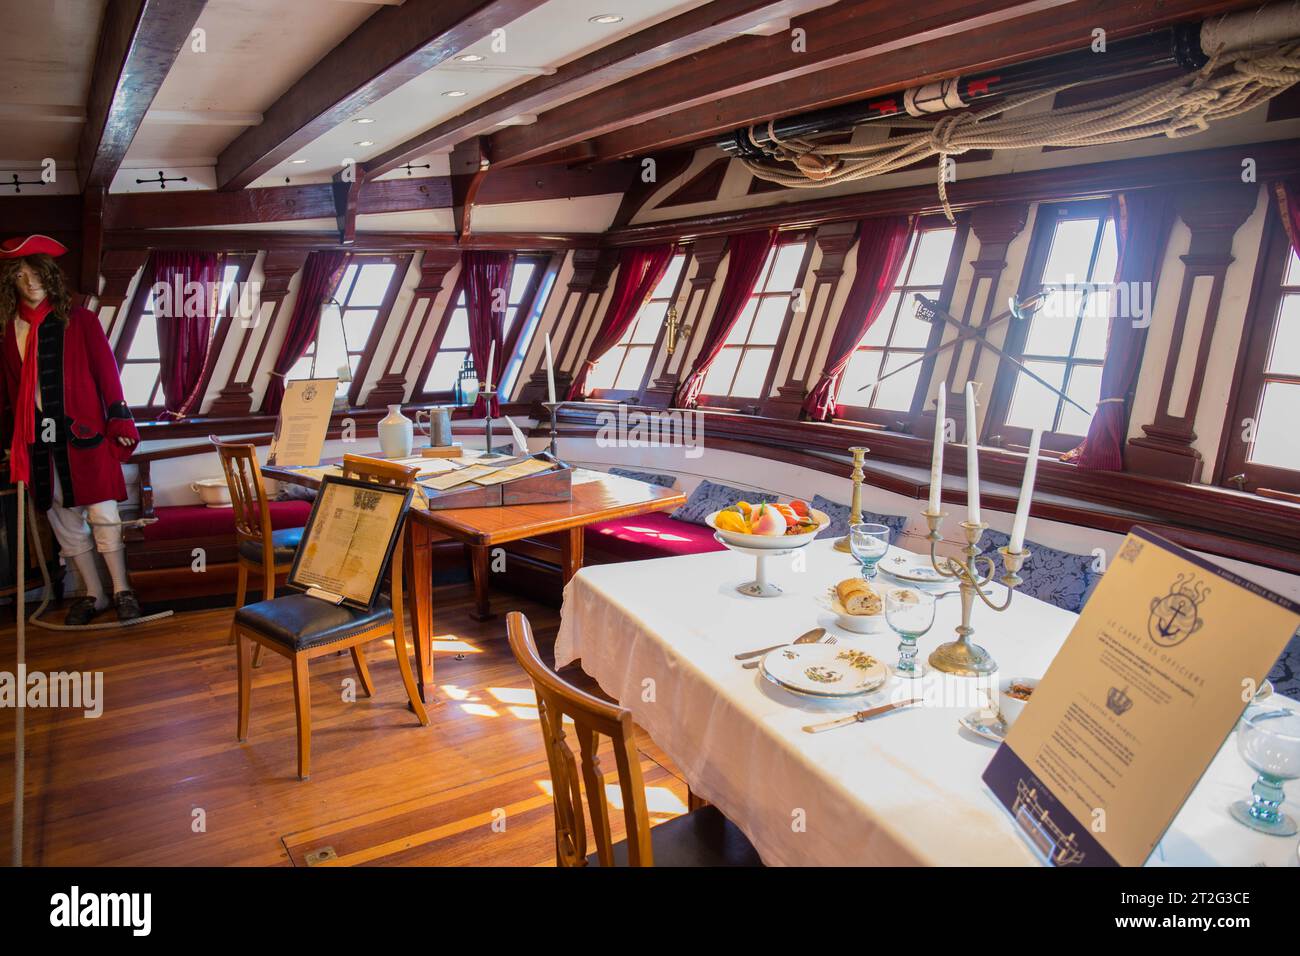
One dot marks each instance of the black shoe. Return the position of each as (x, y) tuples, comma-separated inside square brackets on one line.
[(128, 605), (81, 612)]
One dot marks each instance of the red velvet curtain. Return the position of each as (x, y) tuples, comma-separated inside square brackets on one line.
[(186, 285), (746, 254), (882, 246), (485, 277), (320, 276), (1288, 204), (639, 271), (1143, 220)]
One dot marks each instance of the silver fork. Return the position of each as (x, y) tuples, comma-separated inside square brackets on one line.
[(750, 665)]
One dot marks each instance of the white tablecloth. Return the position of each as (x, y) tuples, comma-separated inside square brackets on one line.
[(905, 788)]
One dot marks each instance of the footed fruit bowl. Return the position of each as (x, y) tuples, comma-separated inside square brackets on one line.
[(772, 542)]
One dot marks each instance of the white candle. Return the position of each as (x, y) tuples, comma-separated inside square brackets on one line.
[(972, 458), (487, 374), (550, 371), (1026, 494), (936, 460)]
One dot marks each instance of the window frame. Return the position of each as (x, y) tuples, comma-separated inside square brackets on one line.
[(544, 265), (623, 394), (904, 419), (1004, 382), (135, 313), (735, 403), (1250, 377)]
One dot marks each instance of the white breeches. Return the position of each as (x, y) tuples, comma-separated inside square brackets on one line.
[(83, 527)]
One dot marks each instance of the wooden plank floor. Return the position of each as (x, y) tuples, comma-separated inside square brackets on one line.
[(133, 786)]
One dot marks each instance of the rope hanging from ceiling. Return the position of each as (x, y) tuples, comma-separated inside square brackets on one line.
[(1230, 84)]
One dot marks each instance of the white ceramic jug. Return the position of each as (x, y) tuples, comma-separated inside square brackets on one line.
[(396, 434)]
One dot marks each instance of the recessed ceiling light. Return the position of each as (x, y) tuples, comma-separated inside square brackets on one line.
[(365, 142), (454, 93), (471, 58), (363, 120), (297, 162), (606, 18)]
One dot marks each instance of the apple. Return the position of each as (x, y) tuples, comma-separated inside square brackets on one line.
[(767, 521)]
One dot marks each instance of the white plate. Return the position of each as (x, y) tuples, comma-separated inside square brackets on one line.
[(771, 541), (857, 623), (911, 571), (824, 670), (990, 728)]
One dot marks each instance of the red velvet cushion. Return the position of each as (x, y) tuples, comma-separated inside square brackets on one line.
[(653, 535), (199, 521)]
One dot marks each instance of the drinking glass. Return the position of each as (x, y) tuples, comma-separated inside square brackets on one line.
[(910, 613), (869, 543), (1269, 741)]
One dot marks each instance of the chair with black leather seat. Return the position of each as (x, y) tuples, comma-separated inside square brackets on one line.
[(259, 549), (702, 837), (301, 628)]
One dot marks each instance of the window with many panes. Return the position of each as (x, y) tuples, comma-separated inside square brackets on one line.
[(351, 321), (622, 370), (530, 282), (742, 368), (137, 352), (1261, 450), (1073, 257), (897, 341)]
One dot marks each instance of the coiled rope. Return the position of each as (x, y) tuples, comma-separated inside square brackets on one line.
[(1228, 85)]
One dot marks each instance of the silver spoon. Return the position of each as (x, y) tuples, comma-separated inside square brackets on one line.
[(803, 640), (812, 637)]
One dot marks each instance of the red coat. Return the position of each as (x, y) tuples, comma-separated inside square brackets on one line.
[(93, 405)]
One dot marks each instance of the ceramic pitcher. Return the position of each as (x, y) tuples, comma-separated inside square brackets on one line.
[(396, 434)]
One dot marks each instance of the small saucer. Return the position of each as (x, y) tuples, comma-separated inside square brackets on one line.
[(990, 728)]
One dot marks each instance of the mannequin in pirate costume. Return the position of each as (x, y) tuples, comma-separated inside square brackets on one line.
[(65, 423)]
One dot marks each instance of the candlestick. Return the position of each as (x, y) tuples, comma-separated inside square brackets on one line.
[(972, 458), (553, 408), (550, 372), (1017, 541), (936, 461), (855, 503), (487, 395), (962, 656)]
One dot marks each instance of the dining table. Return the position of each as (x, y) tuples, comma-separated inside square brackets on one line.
[(596, 496), (904, 788)]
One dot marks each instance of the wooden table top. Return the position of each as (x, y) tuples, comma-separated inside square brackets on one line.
[(601, 498)]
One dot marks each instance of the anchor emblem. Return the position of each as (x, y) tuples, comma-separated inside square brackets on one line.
[(1175, 617)]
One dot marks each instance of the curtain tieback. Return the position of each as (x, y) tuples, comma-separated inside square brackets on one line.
[(1109, 400)]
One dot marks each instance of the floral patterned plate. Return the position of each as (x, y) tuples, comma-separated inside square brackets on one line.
[(912, 570), (824, 670)]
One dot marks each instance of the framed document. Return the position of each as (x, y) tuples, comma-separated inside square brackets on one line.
[(1165, 657), (303, 422), (349, 540)]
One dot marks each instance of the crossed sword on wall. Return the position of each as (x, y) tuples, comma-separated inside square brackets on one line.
[(929, 309)]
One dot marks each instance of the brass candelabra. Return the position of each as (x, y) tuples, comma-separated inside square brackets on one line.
[(962, 656), (855, 505)]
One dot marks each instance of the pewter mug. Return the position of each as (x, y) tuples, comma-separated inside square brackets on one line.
[(437, 427)]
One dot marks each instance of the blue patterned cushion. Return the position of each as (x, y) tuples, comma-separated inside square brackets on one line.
[(710, 497), (1057, 577), (649, 477), (1285, 674), (839, 515)]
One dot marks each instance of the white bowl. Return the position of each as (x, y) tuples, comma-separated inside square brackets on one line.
[(771, 541), (212, 491), (1010, 707), (857, 623)]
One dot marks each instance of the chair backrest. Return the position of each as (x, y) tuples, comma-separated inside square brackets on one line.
[(379, 471), (591, 716), (247, 493)]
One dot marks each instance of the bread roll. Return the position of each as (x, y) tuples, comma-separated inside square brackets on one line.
[(857, 597)]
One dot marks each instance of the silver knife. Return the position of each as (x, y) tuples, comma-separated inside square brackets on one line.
[(860, 716)]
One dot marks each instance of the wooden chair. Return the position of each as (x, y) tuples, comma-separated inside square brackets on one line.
[(302, 628), (702, 837), (259, 550)]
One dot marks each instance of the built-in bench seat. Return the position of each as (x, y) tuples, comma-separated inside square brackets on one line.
[(654, 535), (176, 522)]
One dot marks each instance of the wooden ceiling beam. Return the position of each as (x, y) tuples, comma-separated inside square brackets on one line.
[(395, 45), (138, 43), (855, 50), (685, 34)]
